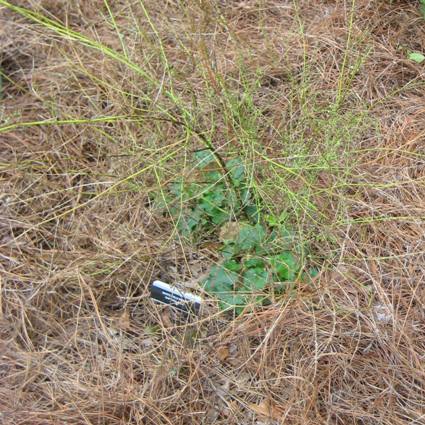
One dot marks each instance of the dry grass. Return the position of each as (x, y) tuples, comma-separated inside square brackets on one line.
[(80, 239)]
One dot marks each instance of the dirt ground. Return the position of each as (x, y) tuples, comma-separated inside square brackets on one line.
[(86, 143)]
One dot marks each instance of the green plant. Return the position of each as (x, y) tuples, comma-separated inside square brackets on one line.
[(416, 57), (253, 261), (258, 255), (212, 195)]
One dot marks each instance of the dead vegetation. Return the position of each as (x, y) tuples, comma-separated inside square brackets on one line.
[(80, 240)]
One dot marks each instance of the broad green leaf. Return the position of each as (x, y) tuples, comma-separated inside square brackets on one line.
[(212, 200), (220, 280), (254, 262), (229, 250), (232, 301), (236, 169), (221, 283), (253, 213), (204, 157), (285, 265), (213, 176), (192, 221), (232, 265), (250, 237), (255, 279), (188, 222), (245, 196), (219, 216), (416, 57)]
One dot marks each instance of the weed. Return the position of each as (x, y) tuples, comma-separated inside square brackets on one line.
[(214, 194), (416, 57), (257, 255)]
